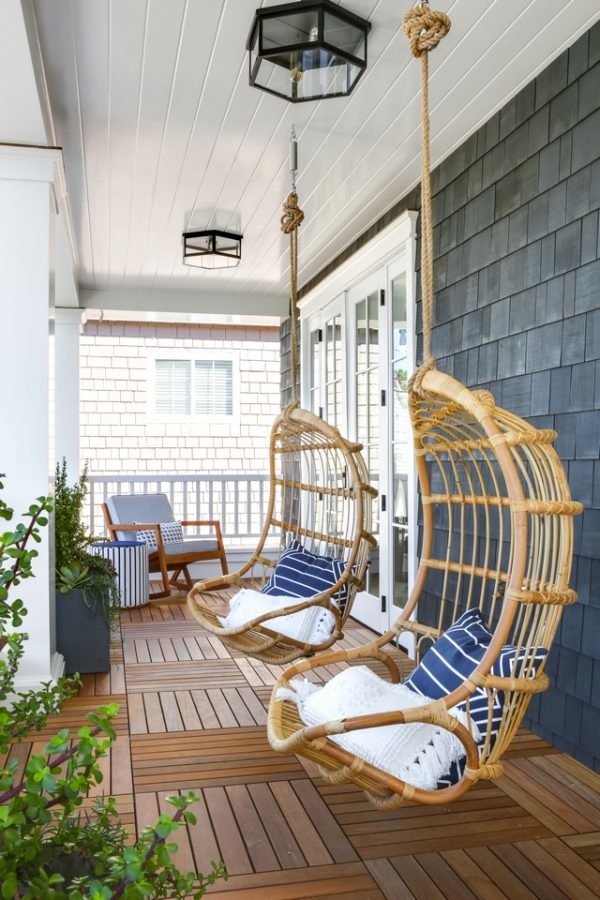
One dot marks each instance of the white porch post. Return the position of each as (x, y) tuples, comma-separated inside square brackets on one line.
[(67, 328), (27, 217)]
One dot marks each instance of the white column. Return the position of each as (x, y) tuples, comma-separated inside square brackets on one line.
[(67, 328), (27, 215)]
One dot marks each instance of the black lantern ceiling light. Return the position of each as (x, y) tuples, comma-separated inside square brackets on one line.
[(212, 249), (307, 50)]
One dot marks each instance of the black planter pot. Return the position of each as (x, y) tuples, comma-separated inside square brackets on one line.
[(82, 634)]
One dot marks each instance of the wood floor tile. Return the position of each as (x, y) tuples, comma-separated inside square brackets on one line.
[(346, 880), (210, 757), (188, 674)]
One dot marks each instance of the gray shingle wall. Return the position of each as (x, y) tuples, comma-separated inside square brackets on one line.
[(517, 276), (517, 266)]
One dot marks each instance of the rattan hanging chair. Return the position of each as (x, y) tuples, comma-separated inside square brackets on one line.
[(319, 509), (495, 558), (320, 498)]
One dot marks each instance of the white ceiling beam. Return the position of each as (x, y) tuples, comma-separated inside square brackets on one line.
[(219, 302), (20, 108)]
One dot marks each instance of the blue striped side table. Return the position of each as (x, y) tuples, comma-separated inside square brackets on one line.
[(130, 559)]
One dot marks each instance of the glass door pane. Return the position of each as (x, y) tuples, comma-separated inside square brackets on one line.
[(367, 377), (334, 371), (401, 443), (315, 370)]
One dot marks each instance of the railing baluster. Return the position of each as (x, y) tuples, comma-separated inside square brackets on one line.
[(236, 510), (261, 501), (223, 498), (248, 505)]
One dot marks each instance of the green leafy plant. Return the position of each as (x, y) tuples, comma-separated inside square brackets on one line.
[(76, 568), (52, 844)]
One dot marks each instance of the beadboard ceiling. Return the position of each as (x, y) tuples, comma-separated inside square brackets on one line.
[(161, 132)]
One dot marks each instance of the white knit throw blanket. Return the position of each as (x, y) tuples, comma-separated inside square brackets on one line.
[(311, 626), (418, 753)]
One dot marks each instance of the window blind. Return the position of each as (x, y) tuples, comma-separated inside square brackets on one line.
[(213, 387), (172, 387)]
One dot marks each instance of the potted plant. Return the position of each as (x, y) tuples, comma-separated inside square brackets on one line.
[(50, 847), (86, 591)]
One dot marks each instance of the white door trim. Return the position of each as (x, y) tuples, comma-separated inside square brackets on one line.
[(374, 254)]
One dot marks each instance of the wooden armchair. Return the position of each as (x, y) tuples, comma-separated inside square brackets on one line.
[(149, 517)]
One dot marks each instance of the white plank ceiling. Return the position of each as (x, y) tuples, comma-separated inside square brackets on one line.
[(161, 131)]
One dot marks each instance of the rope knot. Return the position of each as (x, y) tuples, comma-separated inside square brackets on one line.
[(425, 28), (292, 214)]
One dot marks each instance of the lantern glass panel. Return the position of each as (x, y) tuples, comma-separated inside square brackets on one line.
[(227, 245), (345, 36), (291, 29), (201, 244), (313, 73)]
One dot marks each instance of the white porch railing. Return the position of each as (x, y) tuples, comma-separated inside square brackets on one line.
[(237, 501)]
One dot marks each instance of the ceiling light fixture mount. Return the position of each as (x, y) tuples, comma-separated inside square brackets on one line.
[(307, 50), (212, 249)]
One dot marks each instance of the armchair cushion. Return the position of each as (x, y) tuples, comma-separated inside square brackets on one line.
[(193, 545), (128, 508)]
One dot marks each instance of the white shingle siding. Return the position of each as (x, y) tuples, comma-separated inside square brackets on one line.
[(119, 436)]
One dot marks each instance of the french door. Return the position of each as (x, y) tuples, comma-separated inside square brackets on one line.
[(360, 356)]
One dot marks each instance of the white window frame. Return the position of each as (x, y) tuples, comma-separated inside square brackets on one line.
[(192, 356)]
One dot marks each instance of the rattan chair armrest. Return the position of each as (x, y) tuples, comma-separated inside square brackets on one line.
[(216, 584), (532, 685), (434, 713), (369, 651)]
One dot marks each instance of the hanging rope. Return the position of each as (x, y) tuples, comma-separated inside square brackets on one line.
[(425, 28), (291, 219)]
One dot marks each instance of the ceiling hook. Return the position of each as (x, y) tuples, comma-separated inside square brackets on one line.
[(293, 158)]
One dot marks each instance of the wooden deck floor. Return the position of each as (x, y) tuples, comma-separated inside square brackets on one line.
[(192, 717)]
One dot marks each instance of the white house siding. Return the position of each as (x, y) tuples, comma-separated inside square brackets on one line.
[(119, 433)]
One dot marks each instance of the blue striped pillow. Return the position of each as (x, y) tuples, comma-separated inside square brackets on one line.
[(300, 573), (451, 660)]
